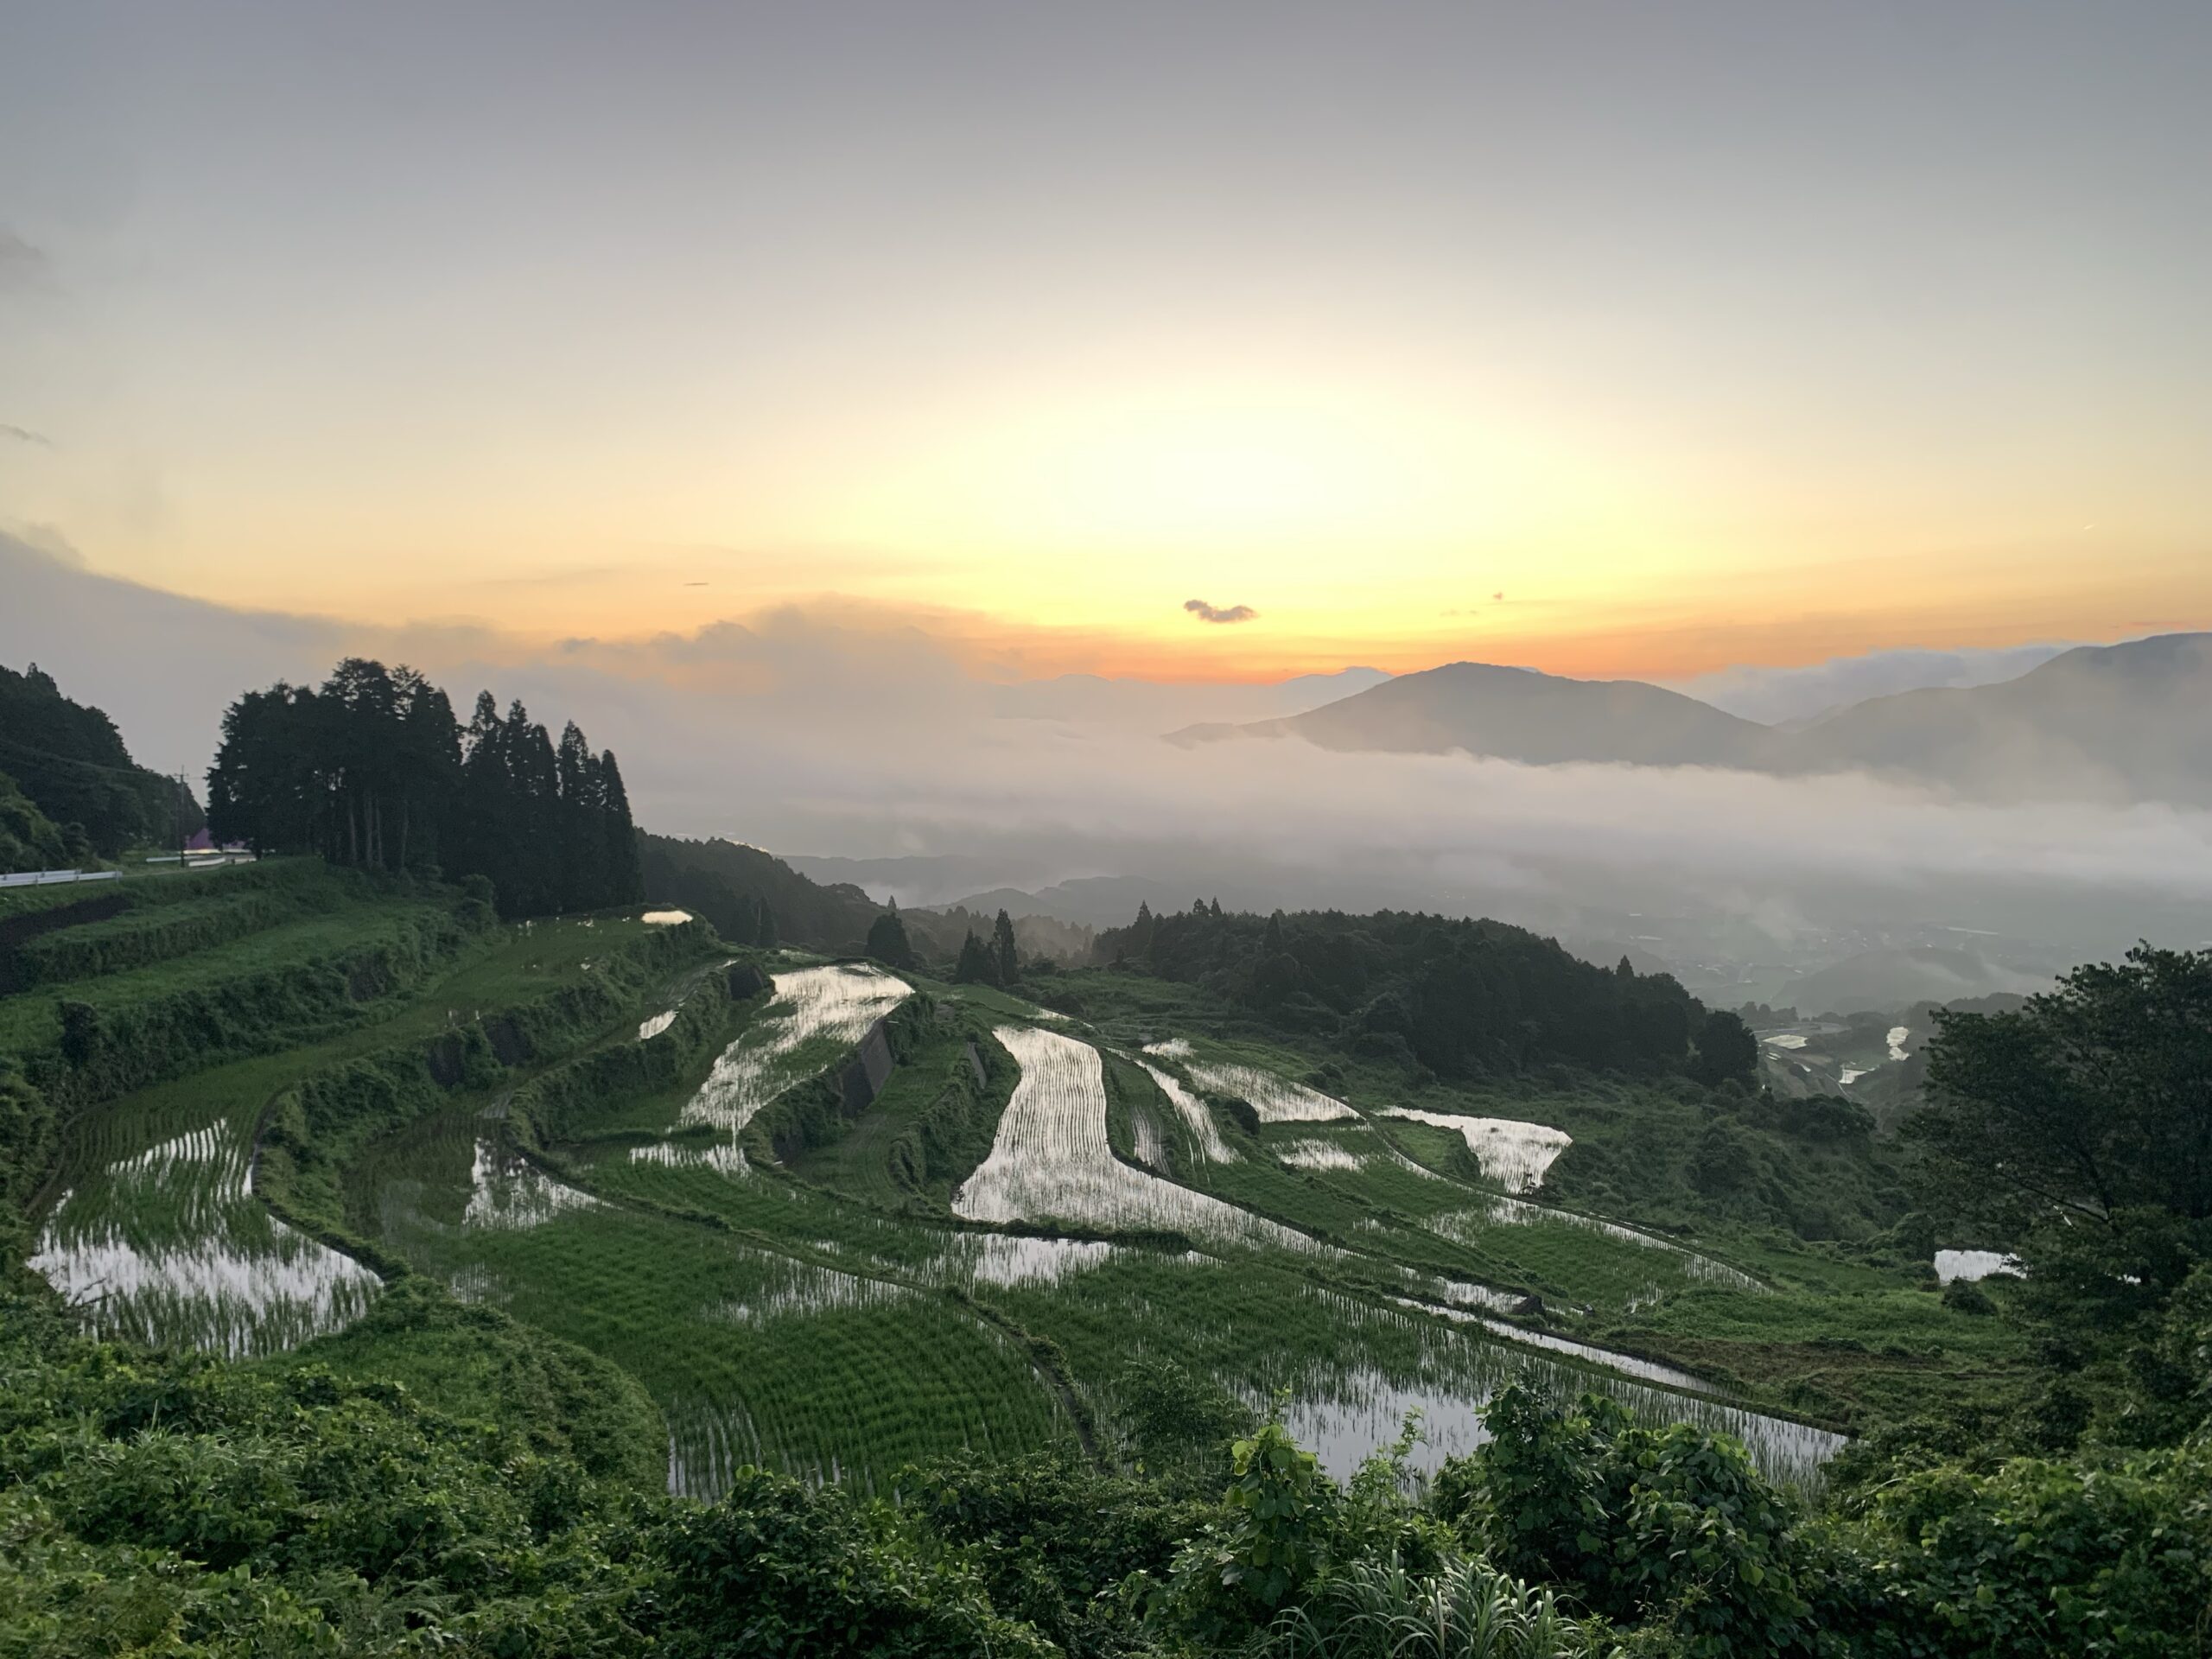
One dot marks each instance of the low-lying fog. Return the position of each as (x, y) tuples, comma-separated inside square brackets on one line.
[(859, 740)]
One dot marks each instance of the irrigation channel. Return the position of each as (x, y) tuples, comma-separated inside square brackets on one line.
[(774, 1321)]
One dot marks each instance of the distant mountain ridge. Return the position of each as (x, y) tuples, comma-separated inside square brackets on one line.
[(1518, 714), (2125, 722)]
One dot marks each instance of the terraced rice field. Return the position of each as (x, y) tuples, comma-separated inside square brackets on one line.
[(156, 1231), (168, 1246), (818, 1012), (1051, 1159), (754, 1355), (1273, 1099), (1514, 1154), (1692, 1267), (1196, 1116), (839, 1332), (1354, 1366)]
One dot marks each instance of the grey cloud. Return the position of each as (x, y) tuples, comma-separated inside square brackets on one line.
[(1206, 613), (23, 264), (24, 435)]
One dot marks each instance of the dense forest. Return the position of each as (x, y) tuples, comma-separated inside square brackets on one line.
[(1462, 998), (372, 770), (742, 890), (732, 885), (31, 840), (68, 768)]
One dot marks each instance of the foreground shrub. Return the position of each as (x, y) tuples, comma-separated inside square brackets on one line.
[(1672, 1525), (1053, 1539), (2042, 1559), (776, 1568)]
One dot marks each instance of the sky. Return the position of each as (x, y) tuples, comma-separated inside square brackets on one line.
[(1621, 339)]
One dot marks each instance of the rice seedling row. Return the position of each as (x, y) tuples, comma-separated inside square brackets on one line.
[(751, 1354), (1353, 1366)]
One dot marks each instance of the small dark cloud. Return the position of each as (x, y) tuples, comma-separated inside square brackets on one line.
[(24, 435), (1206, 613), (23, 264)]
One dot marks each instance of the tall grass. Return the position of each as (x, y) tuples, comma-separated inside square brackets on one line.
[(1464, 1608)]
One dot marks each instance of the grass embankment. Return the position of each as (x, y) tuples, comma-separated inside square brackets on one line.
[(314, 954), (753, 1344), (335, 946), (548, 992), (923, 1134), (478, 1365)]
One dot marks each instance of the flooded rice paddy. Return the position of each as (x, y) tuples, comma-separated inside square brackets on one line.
[(507, 1191), (1314, 1153), (1205, 1133), (1513, 1154), (168, 1246), (1051, 1159), (1345, 1416), (1273, 1099), (817, 1013), (1973, 1264)]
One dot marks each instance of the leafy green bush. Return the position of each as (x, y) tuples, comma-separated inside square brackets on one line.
[(1280, 1513), (1054, 1540), (1672, 1523), (177, 1504), (476, 1363), (2110, 1560), (776, 1569)]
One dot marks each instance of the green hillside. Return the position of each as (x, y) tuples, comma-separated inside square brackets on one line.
[(714, 1298), (69, 760), (28, 839), (731, 884)]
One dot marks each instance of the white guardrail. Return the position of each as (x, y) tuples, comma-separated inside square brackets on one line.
[(194, 861)]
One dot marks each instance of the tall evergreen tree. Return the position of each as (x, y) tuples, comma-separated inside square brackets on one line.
[(975, 965), (886, 940), (625, 875), (371, 769), (1003, 955), (763, 935), (578, 810)]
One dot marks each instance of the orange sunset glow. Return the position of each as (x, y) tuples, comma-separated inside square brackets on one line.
[(1398, 364)]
